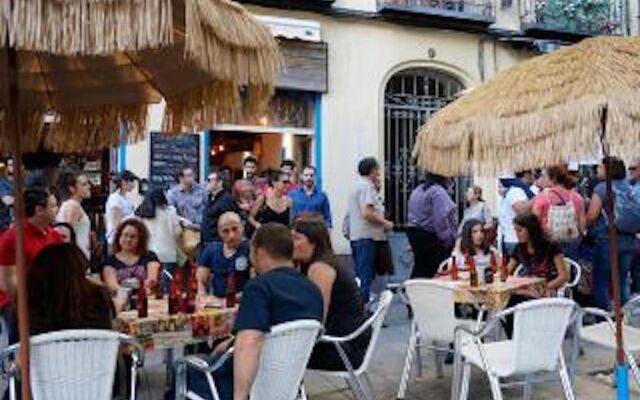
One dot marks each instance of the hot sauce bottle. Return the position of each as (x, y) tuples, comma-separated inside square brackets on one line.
[(454, 268), (473, 273), (231, 299), (143, 304)]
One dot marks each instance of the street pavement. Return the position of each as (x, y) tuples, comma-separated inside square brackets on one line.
[(386, 368)]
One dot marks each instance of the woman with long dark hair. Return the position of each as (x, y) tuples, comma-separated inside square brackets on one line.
[(74, 187), (432, 225), (537, 254), (344, 308), (61, 297), (473, 244), (164, 227)]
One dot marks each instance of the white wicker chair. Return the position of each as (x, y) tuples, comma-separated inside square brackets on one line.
[(604, 334), (539, 330), (283, 361), (73, 364), (360, 387), (433, 324)]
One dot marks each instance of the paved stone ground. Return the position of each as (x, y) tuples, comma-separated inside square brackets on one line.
[(386, 368)]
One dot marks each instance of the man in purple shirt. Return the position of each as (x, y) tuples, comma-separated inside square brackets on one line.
[(432, 224)]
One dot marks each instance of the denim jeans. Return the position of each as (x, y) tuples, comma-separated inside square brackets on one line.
[(364, 256), (602, 270), (222, 377)]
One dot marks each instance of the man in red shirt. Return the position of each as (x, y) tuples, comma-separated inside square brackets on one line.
[(40, 210)]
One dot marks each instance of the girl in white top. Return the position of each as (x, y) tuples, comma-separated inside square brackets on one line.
[(163, 224), (472, 244), (118, 207), (74, 187)]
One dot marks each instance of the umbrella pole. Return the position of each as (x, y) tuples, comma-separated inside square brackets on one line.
[(622, 369), (21, 272)]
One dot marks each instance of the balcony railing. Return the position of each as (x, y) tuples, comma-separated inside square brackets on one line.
[(574, 17), (479, 10)]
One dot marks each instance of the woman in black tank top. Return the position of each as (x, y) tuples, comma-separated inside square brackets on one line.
[(344, 310), (274, 205)]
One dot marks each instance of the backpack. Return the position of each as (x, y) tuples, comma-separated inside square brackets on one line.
[(627, 208), (562, 221)]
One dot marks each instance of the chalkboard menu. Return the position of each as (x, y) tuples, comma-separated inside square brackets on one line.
[(169, 153)]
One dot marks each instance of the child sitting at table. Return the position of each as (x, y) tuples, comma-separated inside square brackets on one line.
[(472, 244)]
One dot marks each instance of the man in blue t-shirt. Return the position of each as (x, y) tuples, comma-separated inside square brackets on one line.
[(224, 259), (277, 295)]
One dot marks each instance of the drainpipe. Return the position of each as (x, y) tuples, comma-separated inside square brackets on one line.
[(481, 63)]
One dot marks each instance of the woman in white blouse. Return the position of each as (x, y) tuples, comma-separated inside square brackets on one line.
[(74, 187), (164, 227)]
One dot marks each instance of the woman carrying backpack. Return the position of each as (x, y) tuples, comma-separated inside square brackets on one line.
[(626, 210), (561, 212)]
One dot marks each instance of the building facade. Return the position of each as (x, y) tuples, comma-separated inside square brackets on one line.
[(361, 76)]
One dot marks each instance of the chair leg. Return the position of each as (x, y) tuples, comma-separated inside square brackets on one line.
[(457, 375), (406, 371), (466, 377), (302, 393), (367, 387), (418, 358), (180, 381), (495, 387), (634, 367), (566, 380), (439, 357)]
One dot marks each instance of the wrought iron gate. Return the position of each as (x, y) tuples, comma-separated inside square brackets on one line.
[(411, 97)]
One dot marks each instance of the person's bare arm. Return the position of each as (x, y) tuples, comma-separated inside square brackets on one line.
[(110, 279), (563, 274), (595, 208), (8, 200), (8, 279), (71, 215), (522, 207), (153, 273), (115, 217), (582, 221), (246, 358), (203, 275), (257, 206), (324, 276), (512, 265), (370, 214)]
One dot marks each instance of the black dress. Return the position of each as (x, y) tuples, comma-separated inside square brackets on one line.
[(346, 314), (268, 214)]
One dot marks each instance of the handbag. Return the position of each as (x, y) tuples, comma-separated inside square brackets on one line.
[(383, 258), (190, 240)]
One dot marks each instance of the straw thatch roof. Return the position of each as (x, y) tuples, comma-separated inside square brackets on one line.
[(540, 112), (94, 64)]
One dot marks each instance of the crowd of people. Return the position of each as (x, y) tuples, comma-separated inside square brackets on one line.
[(542, 217), (268, 239)]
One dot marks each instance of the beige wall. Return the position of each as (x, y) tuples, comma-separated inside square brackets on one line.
[(363, 55)]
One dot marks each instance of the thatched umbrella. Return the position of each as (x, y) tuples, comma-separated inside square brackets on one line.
[(579, 101), (94, 66)]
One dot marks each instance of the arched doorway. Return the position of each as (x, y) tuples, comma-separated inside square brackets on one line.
[(411, 97)]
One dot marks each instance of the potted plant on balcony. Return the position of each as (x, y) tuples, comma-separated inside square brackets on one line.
[(589, 17)]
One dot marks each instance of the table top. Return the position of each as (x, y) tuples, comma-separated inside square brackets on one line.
[(160, 330), (495, 296)]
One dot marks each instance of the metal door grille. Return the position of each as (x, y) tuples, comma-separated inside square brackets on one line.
[(412, 96)]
